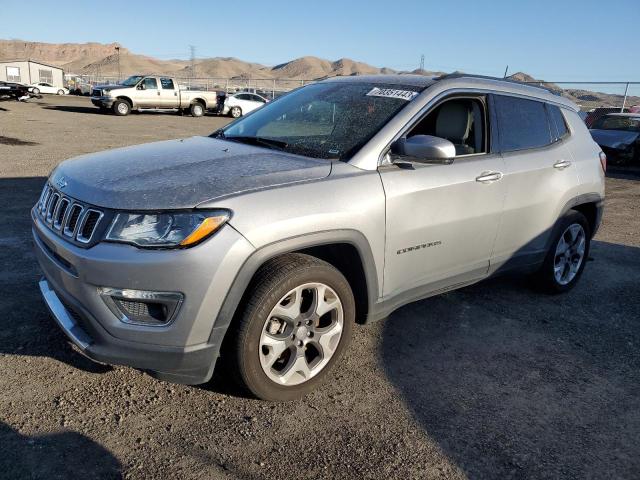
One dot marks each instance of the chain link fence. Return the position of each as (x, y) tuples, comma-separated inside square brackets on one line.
[(267, 87), (620, 96)]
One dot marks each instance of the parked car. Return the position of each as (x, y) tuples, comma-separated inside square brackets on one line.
[(151, 92), (16, 91), (44, 87), (337, 203), (242, 103), (618, 134)]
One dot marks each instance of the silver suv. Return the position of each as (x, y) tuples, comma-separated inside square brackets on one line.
[(337, 203)]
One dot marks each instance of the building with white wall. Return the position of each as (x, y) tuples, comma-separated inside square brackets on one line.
[(31, 71)]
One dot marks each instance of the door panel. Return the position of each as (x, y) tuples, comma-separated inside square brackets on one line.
[(441, 221), (536, 190), (169, 95), (149, 97)]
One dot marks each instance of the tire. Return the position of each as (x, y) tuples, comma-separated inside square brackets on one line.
[(563, 267), (60, 92), (197, 109), (36, 91), (235, 112), (278, 359), (121, 108)]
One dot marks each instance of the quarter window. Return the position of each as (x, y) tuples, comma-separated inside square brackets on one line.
[(557, 121), (523, 123)]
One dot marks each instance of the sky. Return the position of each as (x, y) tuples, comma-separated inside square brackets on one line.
[(560, 40)]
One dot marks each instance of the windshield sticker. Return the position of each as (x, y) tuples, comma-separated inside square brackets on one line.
[(407, 95)]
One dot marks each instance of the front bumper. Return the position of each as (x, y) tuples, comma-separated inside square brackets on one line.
[(183, 351), (105, 102)]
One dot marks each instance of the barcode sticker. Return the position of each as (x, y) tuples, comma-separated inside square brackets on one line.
[(407, 95)]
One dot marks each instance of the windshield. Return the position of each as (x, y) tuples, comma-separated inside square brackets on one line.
[(325, 120), (629, 124), (131, 81)]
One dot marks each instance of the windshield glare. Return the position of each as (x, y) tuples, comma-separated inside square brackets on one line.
[(629, 124), (131, 81), (323, 120)]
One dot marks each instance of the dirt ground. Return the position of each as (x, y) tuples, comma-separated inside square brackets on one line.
[(492, 381)]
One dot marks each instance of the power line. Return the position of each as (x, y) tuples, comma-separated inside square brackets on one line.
[(192, 50)]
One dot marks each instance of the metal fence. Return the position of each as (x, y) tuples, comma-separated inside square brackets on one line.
[(267, 87), (588, 95), (623, 96)]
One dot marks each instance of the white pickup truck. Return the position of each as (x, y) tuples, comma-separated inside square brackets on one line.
[(151, 92)]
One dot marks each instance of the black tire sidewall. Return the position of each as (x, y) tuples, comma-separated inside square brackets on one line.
[(546, 277), (248, 354)]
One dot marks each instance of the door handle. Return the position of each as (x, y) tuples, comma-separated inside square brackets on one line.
[(562, 164), (488, 177)]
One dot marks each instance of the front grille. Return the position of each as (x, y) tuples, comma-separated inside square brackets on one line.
[(96, 93), (68, 217)]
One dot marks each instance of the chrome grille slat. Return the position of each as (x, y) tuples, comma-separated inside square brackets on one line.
[(70, 218)]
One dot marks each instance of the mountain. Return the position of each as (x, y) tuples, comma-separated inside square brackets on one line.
[(101, 60)]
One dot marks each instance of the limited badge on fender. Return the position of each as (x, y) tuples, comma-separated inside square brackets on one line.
[(392, 93)]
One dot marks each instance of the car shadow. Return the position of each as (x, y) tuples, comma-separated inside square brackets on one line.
[(64, 455), (512, 384), (73, 108), (25, 326)]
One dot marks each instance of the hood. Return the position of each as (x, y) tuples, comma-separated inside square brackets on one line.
[(180, 173), (109, 88), (617, 139)]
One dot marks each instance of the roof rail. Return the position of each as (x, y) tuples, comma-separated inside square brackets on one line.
[(451, 76)]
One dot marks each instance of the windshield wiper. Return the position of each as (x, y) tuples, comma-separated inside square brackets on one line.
[(267, 142)]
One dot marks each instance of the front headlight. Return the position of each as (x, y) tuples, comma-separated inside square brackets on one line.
[(165, 230)]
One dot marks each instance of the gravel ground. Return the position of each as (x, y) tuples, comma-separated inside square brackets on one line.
[(492, 381)]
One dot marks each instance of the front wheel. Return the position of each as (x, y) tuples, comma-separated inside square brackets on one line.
[(294, 329), (36, 91), (60, 92), (236, 112), (121, 108), (568, 254)]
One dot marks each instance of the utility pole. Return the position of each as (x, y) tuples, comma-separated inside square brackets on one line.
[(422, 62), (118, 58), (192, 49), (505, 72)]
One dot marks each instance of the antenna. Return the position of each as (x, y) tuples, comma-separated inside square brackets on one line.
[(192, 49), (118, 55), (422, 62), (505, 72)]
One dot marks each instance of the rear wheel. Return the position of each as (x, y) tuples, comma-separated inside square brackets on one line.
[(295, 327), (121, 108), (236, 112), (567, 256), (36, 91), (60, 92), (197, 110)]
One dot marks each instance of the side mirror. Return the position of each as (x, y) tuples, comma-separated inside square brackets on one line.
[(142, 86), (425, 149)]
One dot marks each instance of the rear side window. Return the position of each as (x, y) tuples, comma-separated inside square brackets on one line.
[(167, 84), (557, 121), (523, 123)]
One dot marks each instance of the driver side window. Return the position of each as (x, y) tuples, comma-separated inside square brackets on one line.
[(462, 121), (150, 83)]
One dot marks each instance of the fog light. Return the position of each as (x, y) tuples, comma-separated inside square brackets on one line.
[(142, 307)]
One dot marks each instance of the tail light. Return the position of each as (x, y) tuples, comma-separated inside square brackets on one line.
[(603, 161)]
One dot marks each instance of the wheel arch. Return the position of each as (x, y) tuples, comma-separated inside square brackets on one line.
[(199, 100), (347, 250), (126, 99), (591, 205)]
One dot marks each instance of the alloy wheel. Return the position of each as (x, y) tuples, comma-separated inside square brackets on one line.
[(569, 254), (301, 334)]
